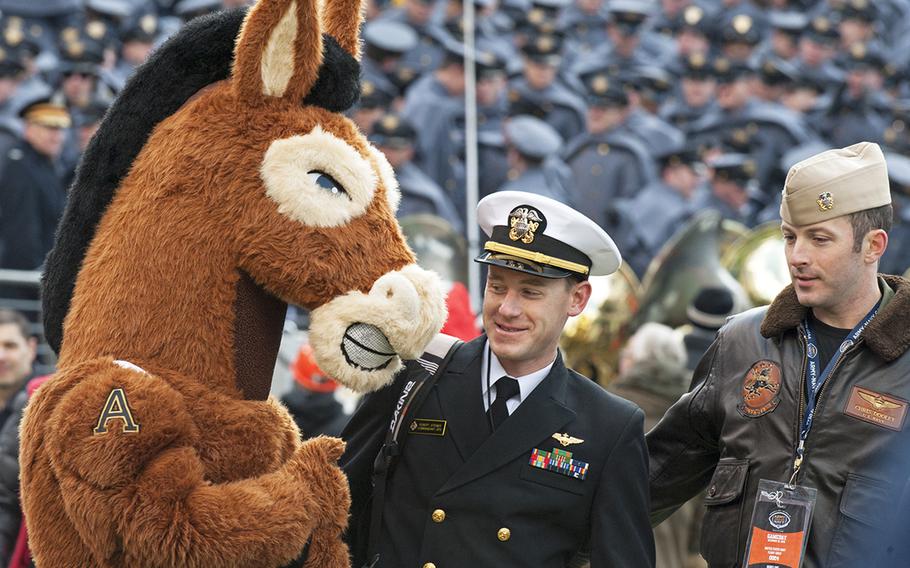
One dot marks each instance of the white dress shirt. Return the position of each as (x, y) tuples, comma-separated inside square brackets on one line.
[(526, 383)]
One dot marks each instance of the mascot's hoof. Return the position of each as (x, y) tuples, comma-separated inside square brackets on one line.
[(360, 339), (366, 347)]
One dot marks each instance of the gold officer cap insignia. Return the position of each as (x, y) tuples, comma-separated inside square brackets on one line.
[(545, 44), (858, 50), (821, 24), (148, 23), (600, 84), (860, 4), (825, 201), (95, 29), (697, 59), (390, 122), (69, 34), (693, 14), (75, 49), (536, 16), (742, 23), (13, 36), (566, 440), (367, 88), (877, 401)]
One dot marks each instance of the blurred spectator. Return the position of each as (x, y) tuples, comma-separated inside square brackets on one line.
[(311, 401), (706, 314), (731, 188), (652, 374), (395, 138), (32, 195), (532, 148), (662, 207), (607, 162)]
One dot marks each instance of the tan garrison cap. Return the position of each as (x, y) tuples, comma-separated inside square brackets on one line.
[(834, 183)]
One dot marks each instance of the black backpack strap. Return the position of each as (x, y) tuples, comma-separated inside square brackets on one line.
[(433, 362)]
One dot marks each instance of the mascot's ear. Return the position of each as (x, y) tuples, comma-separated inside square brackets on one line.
[(279, 51), (341, 19)]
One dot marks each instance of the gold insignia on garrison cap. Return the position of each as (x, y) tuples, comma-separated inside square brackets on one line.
[(742, 24), (95, 29), (825, 201), (693, 14), (390, 122)]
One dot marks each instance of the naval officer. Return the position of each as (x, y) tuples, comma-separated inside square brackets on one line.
[(510, 459)]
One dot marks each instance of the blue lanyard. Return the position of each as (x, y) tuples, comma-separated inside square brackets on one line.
[(814, 380)]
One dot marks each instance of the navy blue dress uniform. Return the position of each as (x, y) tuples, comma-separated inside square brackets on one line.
[(564, 471), (32, 195), (561, 107), (419, 193), (610, 164), (541, 170)]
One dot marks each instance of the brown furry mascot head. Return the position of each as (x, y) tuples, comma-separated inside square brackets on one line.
[(217, 190)]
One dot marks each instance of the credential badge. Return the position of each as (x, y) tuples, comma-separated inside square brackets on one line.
[(523, 221)]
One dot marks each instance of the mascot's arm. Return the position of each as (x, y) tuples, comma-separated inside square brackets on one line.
[(122, 448)]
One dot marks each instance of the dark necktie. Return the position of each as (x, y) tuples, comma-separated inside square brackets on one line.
[(506, 388)]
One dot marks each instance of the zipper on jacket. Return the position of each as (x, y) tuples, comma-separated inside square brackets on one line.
[(801, 448)]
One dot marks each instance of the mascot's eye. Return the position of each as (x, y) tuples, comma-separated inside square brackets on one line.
[(326, 182)]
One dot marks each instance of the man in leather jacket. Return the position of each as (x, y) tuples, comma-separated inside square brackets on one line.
[(746, 417)]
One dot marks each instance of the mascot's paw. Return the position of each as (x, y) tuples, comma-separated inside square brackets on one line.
[(359, 339), (316, 466)]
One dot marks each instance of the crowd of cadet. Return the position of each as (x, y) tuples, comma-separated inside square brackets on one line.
[(636, 113)]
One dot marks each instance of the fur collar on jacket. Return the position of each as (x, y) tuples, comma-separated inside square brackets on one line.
[(887, 335)]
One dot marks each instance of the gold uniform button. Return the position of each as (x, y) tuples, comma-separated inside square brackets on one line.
[(439, 515), (429, 565), (504, 534)]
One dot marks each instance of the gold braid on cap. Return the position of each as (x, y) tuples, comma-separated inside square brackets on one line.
[(537, 257)]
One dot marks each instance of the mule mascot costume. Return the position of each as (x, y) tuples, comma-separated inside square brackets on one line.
[(223, 184)]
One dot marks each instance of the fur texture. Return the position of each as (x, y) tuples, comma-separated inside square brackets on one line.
[(887, 334), (169, 261), (285, 171), (200, 55), (396, 305)]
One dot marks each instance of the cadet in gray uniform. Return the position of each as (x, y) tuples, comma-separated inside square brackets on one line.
[(662, 207), (534, 164), (562, 108), (607, 162), (395, 138), (385, 42), (731, 188)]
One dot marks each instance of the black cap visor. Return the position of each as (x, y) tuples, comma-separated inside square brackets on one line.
[(522, 265)]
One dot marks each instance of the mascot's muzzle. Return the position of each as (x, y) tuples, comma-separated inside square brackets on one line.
[(360, 339)]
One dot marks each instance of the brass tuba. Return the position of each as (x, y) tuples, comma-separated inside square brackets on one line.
[(688, 262), (758, 263), (592, 340)]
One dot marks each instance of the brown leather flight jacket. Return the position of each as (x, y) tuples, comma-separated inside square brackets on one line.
[(740, 424)]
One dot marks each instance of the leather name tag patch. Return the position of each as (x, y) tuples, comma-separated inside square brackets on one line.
[(427, 427), (879, 409)]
